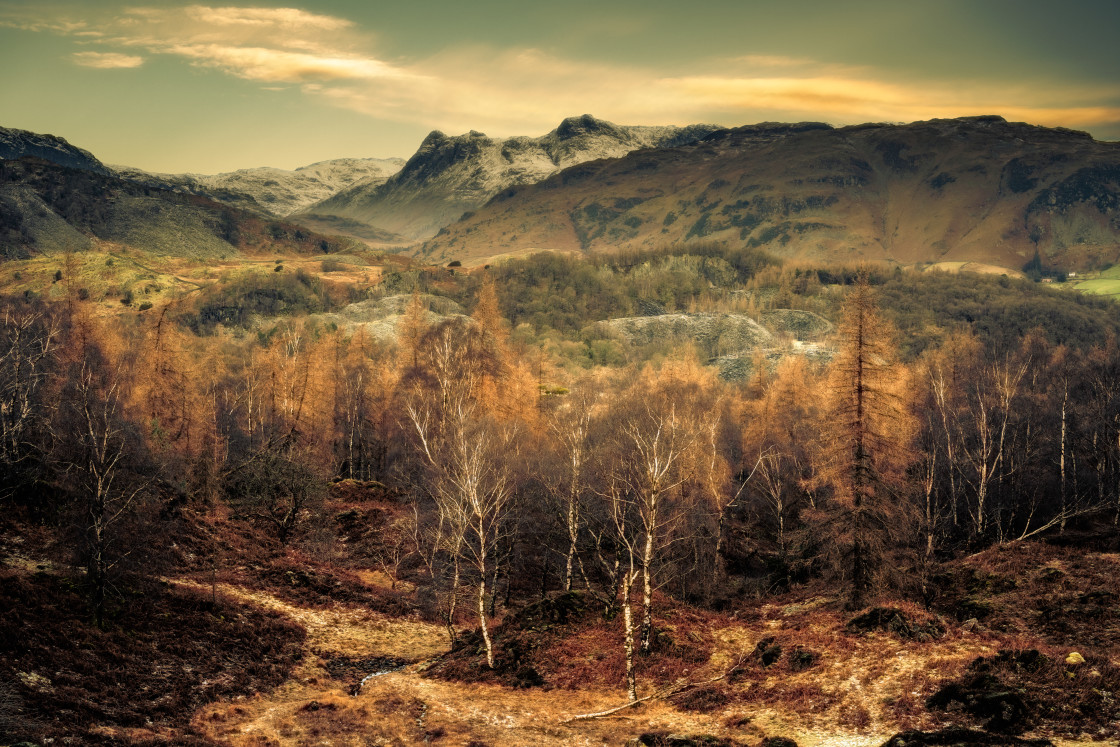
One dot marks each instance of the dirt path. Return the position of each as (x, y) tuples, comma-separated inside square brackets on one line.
[(401, 707), (316, 707), (352, 632)]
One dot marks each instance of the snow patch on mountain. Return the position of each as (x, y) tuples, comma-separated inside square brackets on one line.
[(450, 175), (277, 192)]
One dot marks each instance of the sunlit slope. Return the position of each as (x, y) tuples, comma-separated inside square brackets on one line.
[(966, 190)]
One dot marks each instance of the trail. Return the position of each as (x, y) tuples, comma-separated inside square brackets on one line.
[(403, 707)]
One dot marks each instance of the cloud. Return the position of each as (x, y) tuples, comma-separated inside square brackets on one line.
[(765, 60), (525, 90), (282, 66), (107, 60), (528, 91), (286, 18), (860, 99)]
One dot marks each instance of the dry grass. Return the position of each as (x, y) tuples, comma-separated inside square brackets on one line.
[(828, 686), (347, 631)]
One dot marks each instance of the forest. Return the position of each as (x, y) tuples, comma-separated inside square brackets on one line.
[(530, 456)]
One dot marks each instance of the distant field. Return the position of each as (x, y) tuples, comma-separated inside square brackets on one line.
[(1102, 286), (977, 267)]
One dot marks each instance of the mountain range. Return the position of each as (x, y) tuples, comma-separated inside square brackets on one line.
[(452, 175), (272, 191), (47, 208), (972, 189), (977, 189)]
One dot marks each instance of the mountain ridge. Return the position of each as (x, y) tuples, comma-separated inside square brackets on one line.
[(269, 190), (16, 144), (977, 188), (451, 175)]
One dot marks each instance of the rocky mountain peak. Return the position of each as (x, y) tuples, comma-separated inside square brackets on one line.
[(19, 143), (573, 127)]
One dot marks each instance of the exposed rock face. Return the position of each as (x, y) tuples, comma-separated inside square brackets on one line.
[(450, 175), (20, 143), (731, 333), (271, 191), (973, 189), (380, 318), (734, 340)]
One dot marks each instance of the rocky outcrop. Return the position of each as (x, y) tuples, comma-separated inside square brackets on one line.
[(21, 143)]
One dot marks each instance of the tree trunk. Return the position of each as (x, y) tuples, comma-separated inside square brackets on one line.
[(647, 591), (628, 641), (573, 538), (452, 599), (1062, 462), (482, 619)]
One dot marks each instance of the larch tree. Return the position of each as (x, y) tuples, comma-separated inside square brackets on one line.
[(778, 436), (867, 441)]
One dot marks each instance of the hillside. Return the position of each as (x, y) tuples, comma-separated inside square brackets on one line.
[(274, 192), (46, 208), (450, 175), (972, 189)]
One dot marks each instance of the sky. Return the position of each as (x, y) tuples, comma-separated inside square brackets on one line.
[(186, 87)]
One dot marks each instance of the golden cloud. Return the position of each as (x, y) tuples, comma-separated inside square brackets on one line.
[(107, 60), (859, 100), (287, 18), (281, 66)]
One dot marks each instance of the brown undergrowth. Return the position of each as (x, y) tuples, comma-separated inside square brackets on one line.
[(1065, 596), (165, 653)]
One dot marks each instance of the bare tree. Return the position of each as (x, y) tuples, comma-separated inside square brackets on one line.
[(463, 451), (98, 453), (662, 444), (990, 405), (570, 424), (28, 334)]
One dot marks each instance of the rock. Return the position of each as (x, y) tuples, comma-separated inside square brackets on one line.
[(777, 742), (665, 739), (984, 696), (801, 658), (955, 736), (767, 651), (893, 620), (971, 624), (1075, 658)]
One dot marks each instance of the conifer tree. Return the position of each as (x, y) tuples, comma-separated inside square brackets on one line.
[(867, 434)]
